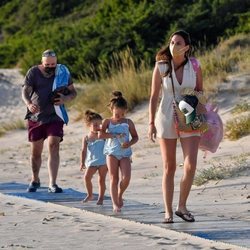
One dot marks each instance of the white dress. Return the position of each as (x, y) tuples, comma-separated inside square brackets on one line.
[(164, 120)]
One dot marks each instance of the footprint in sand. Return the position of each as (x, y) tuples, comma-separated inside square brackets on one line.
[(49, 218), (10, 203)]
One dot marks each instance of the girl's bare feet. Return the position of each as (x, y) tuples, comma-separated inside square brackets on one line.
[(120, 202), (88, 198), (116, 209)]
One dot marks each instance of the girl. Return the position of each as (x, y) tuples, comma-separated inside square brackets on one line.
[(118, 130), (92, 157)]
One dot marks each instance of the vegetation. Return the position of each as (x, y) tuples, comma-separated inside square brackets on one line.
[(238, 127), (4, 128), (132, 81), (240, 108), (212, 173), (229, 56), (219, 170), (87, 34)]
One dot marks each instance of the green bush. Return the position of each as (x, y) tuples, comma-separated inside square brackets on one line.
[(86, 33)]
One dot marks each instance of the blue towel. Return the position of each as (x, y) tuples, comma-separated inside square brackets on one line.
[(62, 76)]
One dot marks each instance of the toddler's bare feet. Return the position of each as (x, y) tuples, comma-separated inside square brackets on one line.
[(88, 198), (100, 201)]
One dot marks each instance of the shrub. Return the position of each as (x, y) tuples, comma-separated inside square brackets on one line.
[(238, 127)]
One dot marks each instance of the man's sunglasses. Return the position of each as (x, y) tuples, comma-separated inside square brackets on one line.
[(48, 53)]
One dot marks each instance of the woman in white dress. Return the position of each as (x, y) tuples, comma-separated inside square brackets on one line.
[(161, 120)]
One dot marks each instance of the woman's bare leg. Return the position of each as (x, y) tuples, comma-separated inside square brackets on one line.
[(190, 152), (168, 152)]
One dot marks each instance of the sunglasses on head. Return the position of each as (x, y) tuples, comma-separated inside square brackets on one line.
[(48, 53)]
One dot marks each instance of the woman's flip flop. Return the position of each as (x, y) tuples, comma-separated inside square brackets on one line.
[(185, 216)]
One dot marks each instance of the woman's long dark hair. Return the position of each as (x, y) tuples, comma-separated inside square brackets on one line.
[(164, 53)]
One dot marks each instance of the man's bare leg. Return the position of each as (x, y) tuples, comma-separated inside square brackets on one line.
[(36, 159), (53, 158)]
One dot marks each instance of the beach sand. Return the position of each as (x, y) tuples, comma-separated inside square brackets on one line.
[(28, 223)]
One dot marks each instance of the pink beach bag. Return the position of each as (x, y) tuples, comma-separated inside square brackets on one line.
[(211, 139)]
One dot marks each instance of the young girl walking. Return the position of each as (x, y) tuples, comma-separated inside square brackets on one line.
[(120, 135), (92, 157)]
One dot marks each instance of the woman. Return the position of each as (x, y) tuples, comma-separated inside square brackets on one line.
[(161, 123)]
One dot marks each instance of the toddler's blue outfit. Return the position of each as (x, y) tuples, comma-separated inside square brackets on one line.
[(113, 145), (95, 156)]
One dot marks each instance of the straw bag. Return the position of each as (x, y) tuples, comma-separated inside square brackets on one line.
[(197, 125)]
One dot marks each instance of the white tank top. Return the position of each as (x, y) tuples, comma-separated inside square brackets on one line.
[(164, 120)]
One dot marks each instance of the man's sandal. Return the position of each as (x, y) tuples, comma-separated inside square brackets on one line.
[(33, 186)]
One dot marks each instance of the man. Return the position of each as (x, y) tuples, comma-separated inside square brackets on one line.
[(46, 114)]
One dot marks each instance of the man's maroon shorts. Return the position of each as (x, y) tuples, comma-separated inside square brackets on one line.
[(37, 131)]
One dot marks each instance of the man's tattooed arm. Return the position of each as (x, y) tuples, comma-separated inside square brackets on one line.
[(26, 94)]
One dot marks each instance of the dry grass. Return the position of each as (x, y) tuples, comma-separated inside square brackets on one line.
[(18, 124), (241, 108), (132, 81), (230, 56), (222, 169), (238, 127)]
